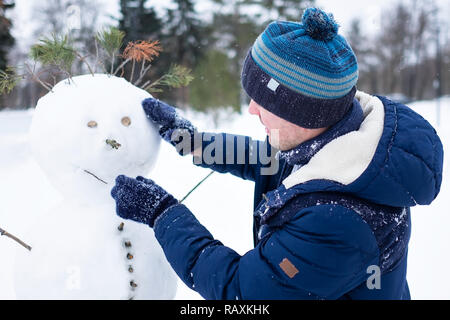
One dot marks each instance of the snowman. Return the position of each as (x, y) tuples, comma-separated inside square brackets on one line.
[(85, 132)]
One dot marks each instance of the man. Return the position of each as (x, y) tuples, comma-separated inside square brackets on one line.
[(333, 222)]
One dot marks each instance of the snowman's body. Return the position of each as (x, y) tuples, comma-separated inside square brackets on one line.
[(83, 135)]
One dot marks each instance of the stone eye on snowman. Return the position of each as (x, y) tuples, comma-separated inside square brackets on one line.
[(85, 132)]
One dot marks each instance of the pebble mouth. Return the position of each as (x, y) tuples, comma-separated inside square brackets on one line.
[(88, 172)]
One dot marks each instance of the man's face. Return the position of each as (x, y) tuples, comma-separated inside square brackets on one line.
[(283, 135)]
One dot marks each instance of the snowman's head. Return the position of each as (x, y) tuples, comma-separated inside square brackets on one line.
[(87, 131)]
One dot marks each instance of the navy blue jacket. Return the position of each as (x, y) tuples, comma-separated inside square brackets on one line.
[(325, 230)]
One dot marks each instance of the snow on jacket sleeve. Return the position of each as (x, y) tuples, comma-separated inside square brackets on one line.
[(235, 154), (322, 253)]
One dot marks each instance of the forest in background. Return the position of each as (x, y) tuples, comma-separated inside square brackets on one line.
[(408, 57)]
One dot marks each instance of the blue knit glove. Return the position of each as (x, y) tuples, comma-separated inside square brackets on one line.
[(140, 199), (174, 129)]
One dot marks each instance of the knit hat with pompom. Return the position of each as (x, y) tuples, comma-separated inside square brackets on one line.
[(302, 72)]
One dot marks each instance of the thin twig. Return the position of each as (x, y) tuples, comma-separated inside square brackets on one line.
[(143, 73), (48, 70), (101, 63), (83, 59), (54, 80), (142, 68), (68, 74), (41, 71), (38, 75), (95, 176), (9, 235), (145, 84), (112, 63), (121, 66), (31, 72), (96, 55), (196, 186), (154, 83), (132, 71)]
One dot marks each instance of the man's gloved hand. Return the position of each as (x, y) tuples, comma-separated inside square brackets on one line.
[(140, 199), (174, 129)]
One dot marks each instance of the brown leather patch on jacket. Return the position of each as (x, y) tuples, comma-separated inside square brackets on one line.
[(288, 268)]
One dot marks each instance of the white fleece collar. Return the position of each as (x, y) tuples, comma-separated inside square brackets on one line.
[(345, 158)]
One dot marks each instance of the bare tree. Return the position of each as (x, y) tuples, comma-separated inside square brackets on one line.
[(393, 46), (406, 56), (365, 52)]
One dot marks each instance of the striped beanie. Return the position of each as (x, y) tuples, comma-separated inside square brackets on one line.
[(302, 72)]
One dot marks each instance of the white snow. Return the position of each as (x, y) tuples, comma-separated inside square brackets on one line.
[(223, 203)]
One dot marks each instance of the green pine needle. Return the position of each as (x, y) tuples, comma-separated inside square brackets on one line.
[(8, 80), (111, 40), (154, 90), (177, 77), (56, 51)]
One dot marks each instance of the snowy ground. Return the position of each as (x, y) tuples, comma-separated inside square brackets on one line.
[(223, 203)]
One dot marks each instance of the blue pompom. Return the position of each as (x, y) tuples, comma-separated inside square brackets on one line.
[(319, 25)]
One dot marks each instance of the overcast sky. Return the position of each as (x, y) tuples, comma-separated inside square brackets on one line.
[(344, 11)]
